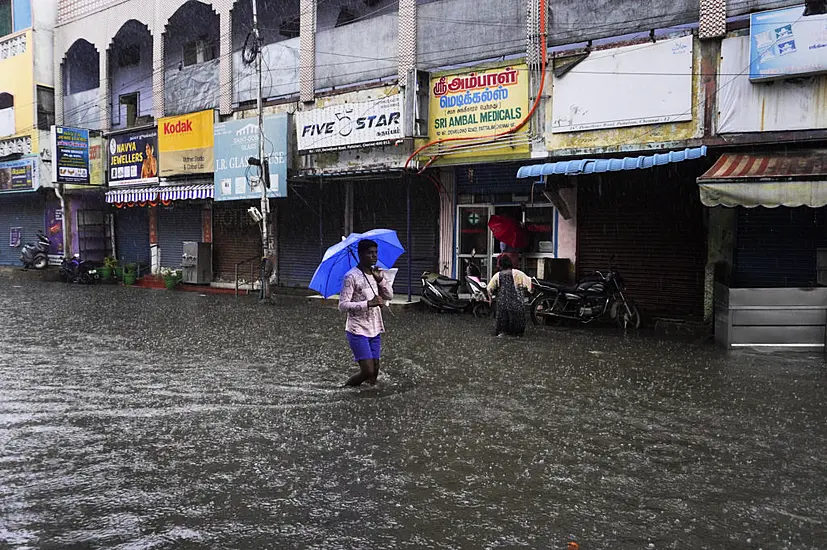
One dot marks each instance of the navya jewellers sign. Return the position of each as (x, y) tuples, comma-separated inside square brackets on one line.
[(350, 125)]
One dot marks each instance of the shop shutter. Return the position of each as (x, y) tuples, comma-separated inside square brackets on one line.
[(25, 210), (236, 239), (310, 220), (776, 247), (178, 223), (652, 222), (132, 235), (384, 205)]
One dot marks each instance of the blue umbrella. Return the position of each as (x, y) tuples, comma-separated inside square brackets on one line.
[(344, 256)]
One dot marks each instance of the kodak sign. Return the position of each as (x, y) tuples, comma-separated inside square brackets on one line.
[(185, 144)]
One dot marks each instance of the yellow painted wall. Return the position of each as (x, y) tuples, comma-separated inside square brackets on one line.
[(17, 78), (617, 139)]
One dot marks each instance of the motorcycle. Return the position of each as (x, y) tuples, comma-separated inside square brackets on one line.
[(442, 293), (73, 270), (481, 305), (36, 255), (591, 299)]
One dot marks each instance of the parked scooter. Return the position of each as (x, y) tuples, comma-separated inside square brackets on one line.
[(36, 255), (442, 293), (480, 298), (73, 270), (590, 299)]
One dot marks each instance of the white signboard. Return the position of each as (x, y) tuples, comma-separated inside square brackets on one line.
[(350, 124), (629, 86)]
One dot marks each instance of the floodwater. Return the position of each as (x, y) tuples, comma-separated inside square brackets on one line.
[(143, 419)]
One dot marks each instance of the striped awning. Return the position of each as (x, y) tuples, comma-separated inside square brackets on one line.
[(597, 166), (170, 193), (793, 178)]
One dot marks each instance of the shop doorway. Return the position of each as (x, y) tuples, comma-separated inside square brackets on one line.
[(475, 242)]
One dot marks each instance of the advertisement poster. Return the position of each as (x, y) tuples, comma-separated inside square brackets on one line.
[(185, 144), (54, 230), (133, 158), (235, 142), (350, 125), (18, 175), (15, 236), (785, 43), (478, 103), (71, 155)]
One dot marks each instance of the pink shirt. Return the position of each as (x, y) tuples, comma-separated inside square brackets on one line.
[(357, 290)]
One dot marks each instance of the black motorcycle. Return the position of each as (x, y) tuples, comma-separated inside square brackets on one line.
[(73, 270), (598, 297), (36, 255)]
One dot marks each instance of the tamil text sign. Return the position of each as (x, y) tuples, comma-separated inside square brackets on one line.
[(71, 155), (185, 144), (785, 43), (18, 175), (235, 142), (350, 125), (478, 103), (630, 86), (133, 158)]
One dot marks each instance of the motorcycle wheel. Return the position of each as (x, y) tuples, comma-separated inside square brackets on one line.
[(40, 262), (626, 320), (539, 309), (482, 311), (86, 279)]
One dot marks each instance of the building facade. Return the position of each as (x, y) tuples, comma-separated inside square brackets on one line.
[(28, 202), (590, 127)]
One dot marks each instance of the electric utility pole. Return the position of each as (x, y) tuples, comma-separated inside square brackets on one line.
[(266, 244)]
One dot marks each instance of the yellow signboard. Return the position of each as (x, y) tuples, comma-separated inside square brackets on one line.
[(185, 144), (479, 103)]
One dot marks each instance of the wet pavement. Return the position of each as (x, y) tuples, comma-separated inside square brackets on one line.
[(139, 419)]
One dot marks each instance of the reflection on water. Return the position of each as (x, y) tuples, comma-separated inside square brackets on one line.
[(152, 419)]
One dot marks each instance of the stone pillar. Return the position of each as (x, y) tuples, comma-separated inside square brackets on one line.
[(406, 47), (225, 67), (103, 90), (307, 51), (158, 108), (58, 54), (447, 221)]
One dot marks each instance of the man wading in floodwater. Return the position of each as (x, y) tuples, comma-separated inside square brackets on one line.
[(364, 291)]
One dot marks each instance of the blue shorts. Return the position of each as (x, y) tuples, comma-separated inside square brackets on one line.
[(364, 348)]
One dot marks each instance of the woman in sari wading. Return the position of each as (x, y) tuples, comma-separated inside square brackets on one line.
[(363, 294), (509, 285)]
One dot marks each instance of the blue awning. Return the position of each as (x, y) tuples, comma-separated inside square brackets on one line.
[(597, 166)]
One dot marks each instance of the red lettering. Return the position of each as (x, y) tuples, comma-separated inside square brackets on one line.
[(179, 127)]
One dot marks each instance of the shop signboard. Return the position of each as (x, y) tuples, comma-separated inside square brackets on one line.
[(638, 85), (350, 125), (479, 102), (785, 43), (71, 155), (54, 230), (19, 175), (185, 144), (235, 142), (132, 158)]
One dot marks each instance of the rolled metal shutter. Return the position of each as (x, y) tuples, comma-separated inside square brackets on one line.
[(776, 247), (132, 235), (178, 223), (24, 210), (236, 239), (310, 220), (383, 205), (652, 222)]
